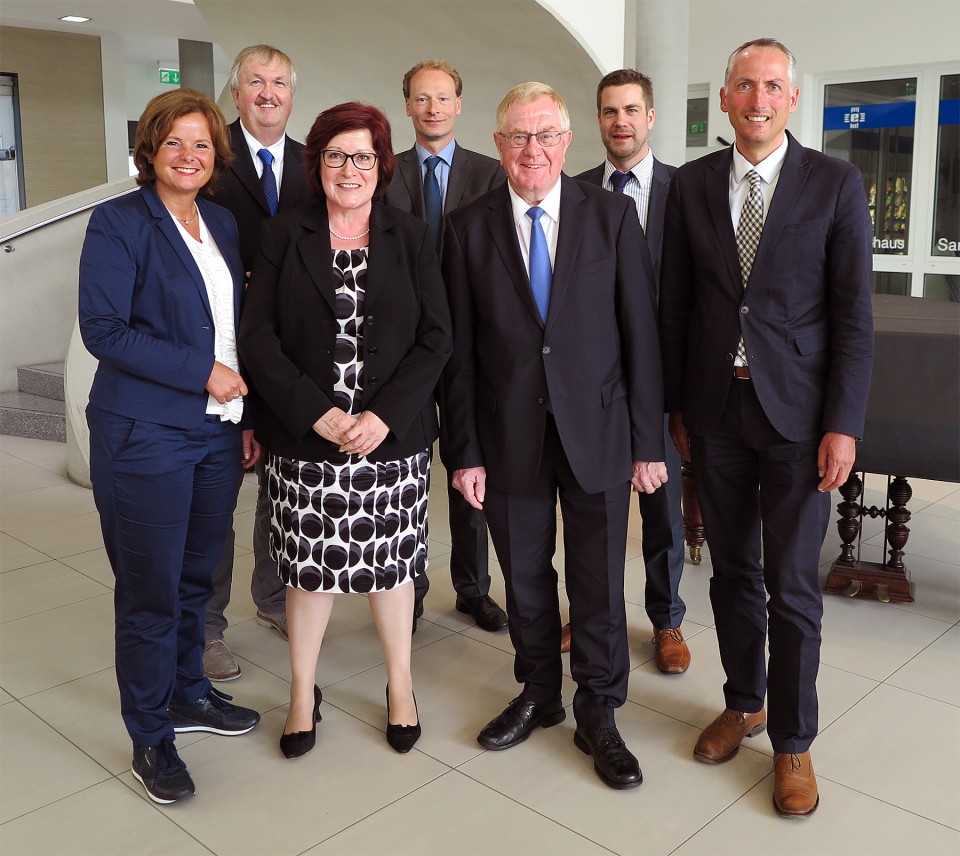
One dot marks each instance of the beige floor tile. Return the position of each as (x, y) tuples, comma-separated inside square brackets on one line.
[(550, 775), (870, 639), (42, 651), (22, 477), (931, 537), (77, 534), (935, 671), (750, 827), (94, 564), (936, 589), (39, 766), (8, 460), (15, 554), (53, 503), (104, 819), (251, 800), (5, 697), (454, 814), (28, 591), (898, 747), (247, 497), (461, 684), (29, 449)]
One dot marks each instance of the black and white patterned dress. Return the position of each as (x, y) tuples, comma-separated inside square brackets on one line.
[(351, 525)]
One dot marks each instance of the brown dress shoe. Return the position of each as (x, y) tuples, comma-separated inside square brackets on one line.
[(673, 655), (794, 785), (565, 639), (721, 739)]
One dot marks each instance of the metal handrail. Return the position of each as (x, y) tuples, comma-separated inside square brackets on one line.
[(63, 216)]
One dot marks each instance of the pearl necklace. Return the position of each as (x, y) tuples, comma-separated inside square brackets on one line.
[(353, 238)]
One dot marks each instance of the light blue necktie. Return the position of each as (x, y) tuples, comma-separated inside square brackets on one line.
[(540, 272), (269, 181)]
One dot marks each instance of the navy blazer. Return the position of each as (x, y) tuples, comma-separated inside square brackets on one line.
[(596, 359), (288, 332), (241, 192), (659, 186), (805, 316), (144, 312)]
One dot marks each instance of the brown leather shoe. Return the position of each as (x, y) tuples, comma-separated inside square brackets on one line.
[(565, 639), (673, 655), (721, 739), (794, 785)]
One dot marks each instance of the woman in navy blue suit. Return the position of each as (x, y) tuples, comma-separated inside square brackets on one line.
[(160, 288)]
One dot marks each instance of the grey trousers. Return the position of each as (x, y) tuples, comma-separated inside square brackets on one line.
[(269, 594)]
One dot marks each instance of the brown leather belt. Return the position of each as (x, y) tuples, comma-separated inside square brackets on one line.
[(741, 372)]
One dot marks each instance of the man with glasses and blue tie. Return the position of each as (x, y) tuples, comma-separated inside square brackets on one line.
[(554, 391), (432, 179), (626, 115), (266, 177)]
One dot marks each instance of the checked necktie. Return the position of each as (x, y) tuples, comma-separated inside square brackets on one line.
[(269, 181), (748, 237)]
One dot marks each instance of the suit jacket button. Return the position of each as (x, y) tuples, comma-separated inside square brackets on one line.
[(372, 350), (369, 319), (540, 399), (729, 357), (744, 310), (545, 350), (372, 381)]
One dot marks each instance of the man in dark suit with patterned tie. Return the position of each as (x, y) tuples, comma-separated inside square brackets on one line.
[(553, 392), (433, 178), (626, 115), (766, 323), (266, 177)]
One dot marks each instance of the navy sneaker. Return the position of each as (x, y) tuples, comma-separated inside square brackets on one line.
[(213, 713), (161, 772)]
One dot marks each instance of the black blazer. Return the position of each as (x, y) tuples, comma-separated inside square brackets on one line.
[(805, 316), (659, 186), (471, 175), (288, 332), (240, 190), (596, 358)]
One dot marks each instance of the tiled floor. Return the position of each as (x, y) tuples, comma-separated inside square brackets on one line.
[(888, 757)]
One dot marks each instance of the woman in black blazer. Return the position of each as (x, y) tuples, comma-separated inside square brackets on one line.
[(344, 332)]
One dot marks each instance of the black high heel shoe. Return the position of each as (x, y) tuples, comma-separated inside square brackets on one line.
[(402, 737), (300, 742)]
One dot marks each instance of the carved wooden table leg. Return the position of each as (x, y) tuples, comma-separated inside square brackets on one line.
[(850, 576), (692, 519)]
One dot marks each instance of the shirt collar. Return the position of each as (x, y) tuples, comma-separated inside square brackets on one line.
[(768, 168), (255, 145), (642, 170), (445, 154), (550, 204)]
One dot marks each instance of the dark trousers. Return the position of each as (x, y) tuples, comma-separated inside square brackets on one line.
[(468, 557), (166, 497), (663, 544), (755, 486), (524, 530), (269, 593)]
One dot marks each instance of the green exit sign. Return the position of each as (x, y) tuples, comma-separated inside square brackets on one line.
[(170, 75), (698, 128)]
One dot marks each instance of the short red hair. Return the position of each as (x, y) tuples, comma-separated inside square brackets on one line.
[(352, 116)]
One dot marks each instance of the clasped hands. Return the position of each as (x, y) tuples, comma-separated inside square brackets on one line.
[(354, 435)]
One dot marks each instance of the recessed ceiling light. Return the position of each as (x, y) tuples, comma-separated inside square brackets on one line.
[(74, 19)]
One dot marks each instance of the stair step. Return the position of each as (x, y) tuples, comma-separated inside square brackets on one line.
[(25, 415), (45, 380)]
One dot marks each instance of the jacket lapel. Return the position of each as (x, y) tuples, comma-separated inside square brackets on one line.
[(568, 244), (717, 181), (314, 249), (659, 185), (384, 255), (291, 181), (457, 181), (227, 244), (504, 234), (410, 173), (244, 169), (172, 234)]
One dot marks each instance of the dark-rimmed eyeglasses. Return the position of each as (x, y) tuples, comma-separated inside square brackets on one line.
[(335, 159), (545, 138)]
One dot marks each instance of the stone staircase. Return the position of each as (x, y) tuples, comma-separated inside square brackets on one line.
[(36, 409)]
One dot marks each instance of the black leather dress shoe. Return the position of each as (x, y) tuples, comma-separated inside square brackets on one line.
[(484, 611), (518, 719), (612, 760)]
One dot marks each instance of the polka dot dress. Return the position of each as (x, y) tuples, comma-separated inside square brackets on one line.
[(355, 525)]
